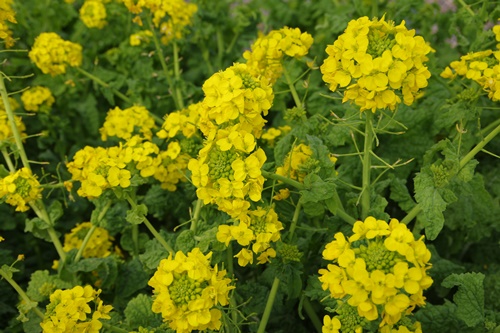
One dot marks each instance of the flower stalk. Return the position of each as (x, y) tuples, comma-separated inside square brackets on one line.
[(367, 149)]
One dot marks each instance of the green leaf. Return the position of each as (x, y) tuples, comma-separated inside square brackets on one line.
[(137, 214), (55, 211), (317, 189), (127, 241), (206, 239), (153, 254), (469, 298), (439, 318), (131, 278), (138, 313), (38, 228), (401, 195), (432, 204), (106, 268), (42, 285), (8, 270), (185, 242)]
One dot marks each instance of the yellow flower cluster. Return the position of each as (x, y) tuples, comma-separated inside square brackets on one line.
[(93, 14), (143, 36), (235, 96), (126, 123), (496, 31), (174, 162), (267, 52), (6, 14), (188, 290), (271, 134), (5, 128), (69, 311), (377, 63), (257, 231), (185, 121), (20, 188), (98, 246), (37, 98), (51, 54), (180, 14), (482, 67), (379, 272)]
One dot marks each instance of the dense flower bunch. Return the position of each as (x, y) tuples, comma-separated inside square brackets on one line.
[(187, 291), (51, 54), (379, 64), (143, 36), (256, 231), (6, 15), (267, 52), (271, 134), (37, 98), (98, 246), (235, 96), (5, 128), (180, 14), (93, 14), (173, 166), (128, 122), (185, 121), (482, 67), (69, 311), (380, 272), (20, 188)]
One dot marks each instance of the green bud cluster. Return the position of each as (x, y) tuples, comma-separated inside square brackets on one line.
[(349, 318), (23, 187), (295, 114), (443, 172), (219, 163), (377, 256), (378, 44), (311, 165), (289, 253), (249, 82), (190, 146), (184, 289), (258, 225)]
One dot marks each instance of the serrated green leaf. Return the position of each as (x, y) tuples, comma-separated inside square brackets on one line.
[(38, 228), (185, 242), (138, 313), (32, 324), (317, 189), (401, 195), (439, 318), (206, 238), (127, 241), (55, 211), (153, 254), (469, 298), (9, 271), (131, 278), (137, 214), (106, 268), (42, 284)]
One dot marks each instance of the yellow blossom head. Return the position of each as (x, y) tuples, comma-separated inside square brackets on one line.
[(128, 122), (37, 98), (93, 14), (20, 188), (7, 15), (5, 128), (379, 65), (99, 243), (51, 54)]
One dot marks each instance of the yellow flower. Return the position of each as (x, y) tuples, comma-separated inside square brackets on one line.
[(330, 325), (141, 37), (20, 188), (379, 64), (5, 128), (245, 257), (93, 14), (69, 311), (128, 122), (37, 98), (98, 246), (51, 54), (6, 15), (381, 270), (187, 291)]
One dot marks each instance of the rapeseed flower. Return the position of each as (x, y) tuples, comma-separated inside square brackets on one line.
[(267, 52), (7, 15), (51, 54), (69, 311), (93, 14), (99, 245), (272, 134), (379, 64), (188, 290), (37, 98), (379, 272), (126, 123), (5, 128), (185, 121), (20, 188), (141, 37)]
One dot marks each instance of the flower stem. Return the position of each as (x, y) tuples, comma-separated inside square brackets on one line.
[(177, 74), (152, 229), (21, 293), (230, 270), (196, 215), (104, 84), (291, 85), (312, 315), (295, 219), (269, 306), (366, 192), (284, 179), (161, 57), (41, 212), (412, 214)]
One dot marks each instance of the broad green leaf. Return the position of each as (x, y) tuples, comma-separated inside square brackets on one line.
[(317, 189), (131, 278), (439, 318), (137, 214), (138, 313), (153, 254), (469, 298), (42, 284), (38, 228), (55, 211), (185, 242)]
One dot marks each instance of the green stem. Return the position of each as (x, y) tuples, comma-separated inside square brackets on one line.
[(161, 57), (341, 211), (152, 229), (113, 328), (230, 270), (39, 209), (374, 8), (417, 208), (295, 219), (269, 306), (177, 74), (6, 156), (467, 7), (21, 293), (283, 179), (318, 325), (103, 84), (12, 121), (135, 238), (366, 192), (196, 215), (291, 85)]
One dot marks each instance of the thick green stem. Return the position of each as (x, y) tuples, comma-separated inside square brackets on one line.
[(39, 209), (366, 192), (135, 238), (291, 85), (340, 210), (6, 156), (21, 293), (177, 74), (12, 121), (295, 219), (284, 179), (374, 8), (196, 215), (104, 84), (269, 306), (152, 229), (230, 271), (161, 57), (318, 325), (418, 208)]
